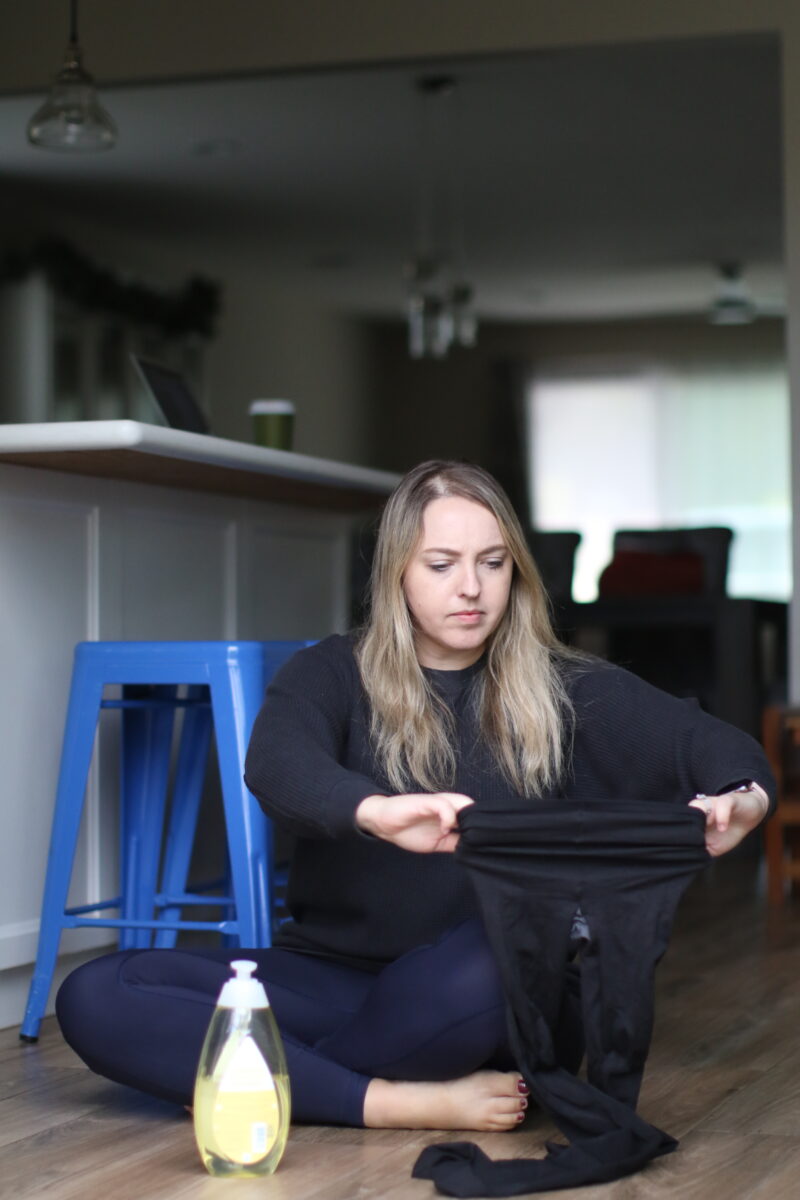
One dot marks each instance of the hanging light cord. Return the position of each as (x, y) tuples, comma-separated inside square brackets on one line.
[(456, 173)]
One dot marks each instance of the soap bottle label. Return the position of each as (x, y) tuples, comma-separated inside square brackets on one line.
[(246, 1116)]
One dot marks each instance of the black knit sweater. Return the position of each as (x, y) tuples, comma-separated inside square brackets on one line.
[(364, 901)]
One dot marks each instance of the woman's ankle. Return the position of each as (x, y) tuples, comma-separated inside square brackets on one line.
[(379, 1103)]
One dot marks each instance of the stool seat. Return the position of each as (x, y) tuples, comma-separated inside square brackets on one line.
[(217, 685)]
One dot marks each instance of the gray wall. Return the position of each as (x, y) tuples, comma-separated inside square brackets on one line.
[(425, 409)]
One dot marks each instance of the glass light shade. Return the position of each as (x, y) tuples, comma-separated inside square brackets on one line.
[(733, 304), (72, 117), (733, 310), (440, 329)]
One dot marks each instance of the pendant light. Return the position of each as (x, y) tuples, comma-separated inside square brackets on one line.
[(440, 309), (733, 304), (72, 118)]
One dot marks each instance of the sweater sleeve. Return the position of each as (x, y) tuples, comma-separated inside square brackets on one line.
[(294, 764), (649, 741)]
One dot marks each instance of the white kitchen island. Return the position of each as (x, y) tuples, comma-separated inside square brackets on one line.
[(121, 530)]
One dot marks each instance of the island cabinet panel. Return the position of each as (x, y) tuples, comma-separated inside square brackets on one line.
[(297, 579), (174, 575), (47, 590)]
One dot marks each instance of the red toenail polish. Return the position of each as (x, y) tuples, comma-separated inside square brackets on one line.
[(521, 1116), (523, 1088)]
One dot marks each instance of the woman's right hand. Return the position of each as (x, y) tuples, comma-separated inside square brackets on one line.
[(424, 823)]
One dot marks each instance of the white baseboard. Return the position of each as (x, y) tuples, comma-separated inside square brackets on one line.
[(14, 985)]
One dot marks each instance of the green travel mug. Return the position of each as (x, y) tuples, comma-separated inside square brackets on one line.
[(273, 423)]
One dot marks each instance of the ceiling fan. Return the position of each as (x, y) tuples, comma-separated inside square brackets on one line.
[(734, 303)]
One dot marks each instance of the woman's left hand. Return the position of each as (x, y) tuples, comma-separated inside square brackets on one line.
[(731, 816)]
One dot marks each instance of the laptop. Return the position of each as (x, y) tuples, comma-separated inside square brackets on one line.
[(171, 395)]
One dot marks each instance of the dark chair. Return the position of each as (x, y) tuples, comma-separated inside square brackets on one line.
[(554, 555), (708, 546), (679, 568)]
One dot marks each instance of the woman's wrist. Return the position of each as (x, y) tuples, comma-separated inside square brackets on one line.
[(750, 786), (759, 793), (724, 807), (366, 815)]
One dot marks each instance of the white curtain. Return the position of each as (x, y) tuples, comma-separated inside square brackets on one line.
[(685, 446)]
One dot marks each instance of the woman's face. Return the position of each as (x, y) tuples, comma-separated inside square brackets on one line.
[(457, 582)]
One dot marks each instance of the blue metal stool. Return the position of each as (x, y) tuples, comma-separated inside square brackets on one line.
[(213, 682)]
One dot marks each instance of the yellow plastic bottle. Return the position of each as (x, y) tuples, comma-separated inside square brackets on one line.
[(242, 1105)]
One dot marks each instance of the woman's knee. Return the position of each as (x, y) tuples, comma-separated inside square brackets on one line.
[(452, 1006), (463, 971), (139, 1017), (86, 995)]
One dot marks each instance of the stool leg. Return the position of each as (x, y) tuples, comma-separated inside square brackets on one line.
[(771, 738), (146, 749), (76, 756), (187, 794), (236, 692), (773, 853)]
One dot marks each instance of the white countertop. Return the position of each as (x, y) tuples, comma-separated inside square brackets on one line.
[(133, 450)]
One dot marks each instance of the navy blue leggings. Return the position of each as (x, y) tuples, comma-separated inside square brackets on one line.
[(139, 1017)]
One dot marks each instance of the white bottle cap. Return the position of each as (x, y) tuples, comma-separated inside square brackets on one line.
[(242, 991)]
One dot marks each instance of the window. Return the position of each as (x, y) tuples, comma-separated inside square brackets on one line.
[(648, 448)]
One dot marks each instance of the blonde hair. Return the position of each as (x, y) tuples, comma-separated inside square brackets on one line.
[(523, 708)]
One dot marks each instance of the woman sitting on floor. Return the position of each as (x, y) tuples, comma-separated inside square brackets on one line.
[(456, 692)]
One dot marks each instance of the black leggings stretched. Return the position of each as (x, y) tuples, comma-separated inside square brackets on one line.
[(139, 1017), (623, 865)]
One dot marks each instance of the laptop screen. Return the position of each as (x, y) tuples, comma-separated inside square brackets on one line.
[(171, 395)]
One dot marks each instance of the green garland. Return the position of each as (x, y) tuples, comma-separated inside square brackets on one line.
[(191, 310)]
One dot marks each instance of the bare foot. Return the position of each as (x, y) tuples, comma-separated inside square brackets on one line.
[(486, 1100)]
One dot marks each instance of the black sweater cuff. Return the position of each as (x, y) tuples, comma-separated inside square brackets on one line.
[(342, 801)]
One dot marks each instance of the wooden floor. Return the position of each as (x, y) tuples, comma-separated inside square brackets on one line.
[(723, 1076)]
